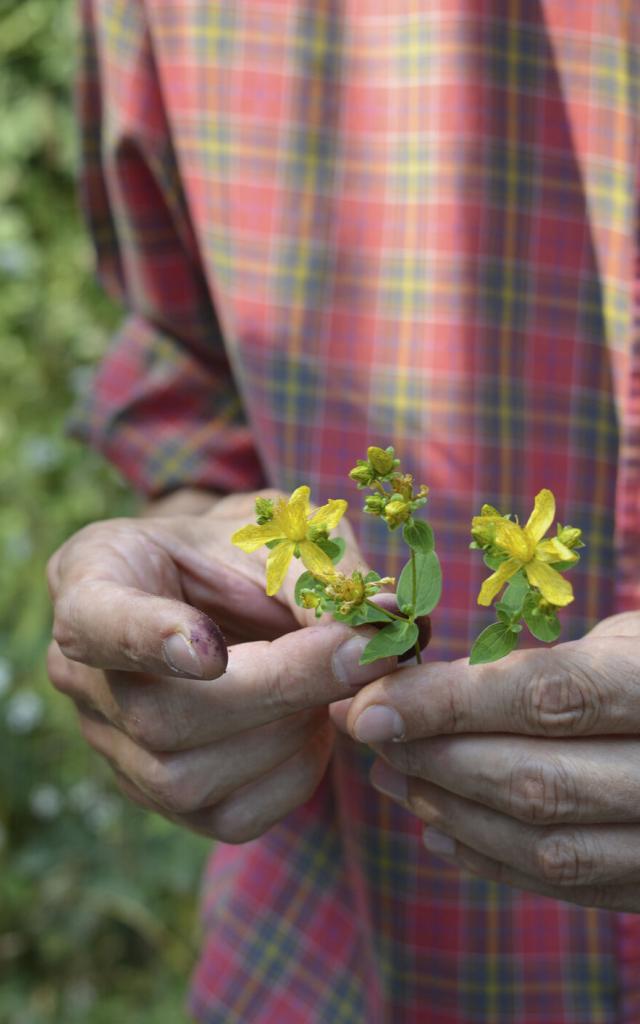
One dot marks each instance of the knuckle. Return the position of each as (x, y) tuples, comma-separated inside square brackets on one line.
[(406, 758), (62, 631), (540, 792), (561, 698), (563, 858), (281, 681), (170, 786), (147, 726), (455, 716), (59, 670)]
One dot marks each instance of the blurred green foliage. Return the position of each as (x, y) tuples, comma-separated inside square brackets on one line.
[(97, 899)]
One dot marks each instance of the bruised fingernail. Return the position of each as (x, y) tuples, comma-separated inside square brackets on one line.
[(437, 842), (389, 781), (379, 724), (181, 657), (347, 668)]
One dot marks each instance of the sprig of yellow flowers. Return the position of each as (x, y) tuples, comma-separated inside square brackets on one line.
[(291, 530), (529, 565)]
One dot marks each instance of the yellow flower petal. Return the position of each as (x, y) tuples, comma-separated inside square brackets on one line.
[(295, 514), (553, 550), (315, 560), (330, 514), (553, 587), (544, 509), (512, 539), (277, 564), (250, 538), (494, 583)]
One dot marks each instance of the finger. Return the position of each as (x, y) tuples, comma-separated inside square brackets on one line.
[(108, 625), (586, 687), (623, 898), (250, 812), (338, 713), (185, 781), (309, 668), (559, 856), (537, 781)]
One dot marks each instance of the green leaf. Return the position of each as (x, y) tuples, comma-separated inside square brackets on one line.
[(513, 597), (368, 613), (493, 643), (428, 585), (334, 547), (396, 638), (493, 561), (307, 582), (418, 535), (544, 626)]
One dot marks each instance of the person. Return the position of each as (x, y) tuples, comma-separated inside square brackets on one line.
[(336, 225)]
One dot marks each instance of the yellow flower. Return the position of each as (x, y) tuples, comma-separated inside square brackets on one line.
[(293, 529), (527, 550)]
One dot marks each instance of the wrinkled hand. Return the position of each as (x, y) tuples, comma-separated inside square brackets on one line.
[(224, 749), (526, 771)]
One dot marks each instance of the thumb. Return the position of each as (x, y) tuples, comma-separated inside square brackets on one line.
[(112, 626)]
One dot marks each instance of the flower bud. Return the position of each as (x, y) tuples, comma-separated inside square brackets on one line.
[(309, 599), (570, 536), (396, 512), (264, 511), (374, 504), (362, 474), (381, 461)]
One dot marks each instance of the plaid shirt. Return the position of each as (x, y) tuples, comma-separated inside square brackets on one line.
[(413, 223)]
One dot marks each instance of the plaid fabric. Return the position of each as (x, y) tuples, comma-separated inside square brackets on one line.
[(336, 224)]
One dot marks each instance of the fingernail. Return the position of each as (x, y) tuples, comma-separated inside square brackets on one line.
[(377, 724), (389, 781), (347, 668), (437, 842), (181, 657)]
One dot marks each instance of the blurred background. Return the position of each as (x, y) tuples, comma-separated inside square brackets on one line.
[(97, 899)]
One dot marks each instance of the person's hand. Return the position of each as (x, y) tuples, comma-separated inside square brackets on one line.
[(526, 771), (225, 749)]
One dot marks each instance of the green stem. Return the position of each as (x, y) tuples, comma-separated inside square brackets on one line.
[(414, 580), (391, 615), (414, 595)]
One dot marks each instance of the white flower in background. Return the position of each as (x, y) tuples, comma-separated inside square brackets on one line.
[(46, 802), (82, 795), (25, 711)]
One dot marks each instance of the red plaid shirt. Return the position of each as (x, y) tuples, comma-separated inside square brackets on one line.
[(412, 223)]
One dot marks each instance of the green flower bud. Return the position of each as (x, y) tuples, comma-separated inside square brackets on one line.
[(381, 461), (375, 504), (362, 474), (570, 536), (396, 512), (264, 511)]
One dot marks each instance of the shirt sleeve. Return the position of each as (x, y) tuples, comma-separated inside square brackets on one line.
[(163, 405)]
